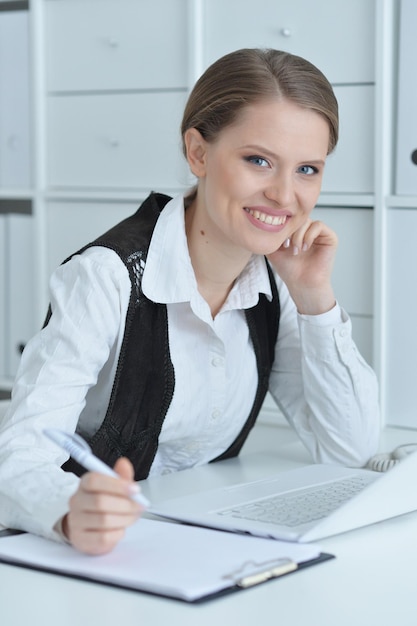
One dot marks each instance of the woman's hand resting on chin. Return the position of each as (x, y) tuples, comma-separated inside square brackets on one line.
[(305, 264)]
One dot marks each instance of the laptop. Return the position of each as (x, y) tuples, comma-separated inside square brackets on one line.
[(304, 504)]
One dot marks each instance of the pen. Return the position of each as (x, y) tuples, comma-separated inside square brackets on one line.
[(81, 452)]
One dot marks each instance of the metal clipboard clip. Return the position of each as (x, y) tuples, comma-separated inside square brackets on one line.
[(252, 573)]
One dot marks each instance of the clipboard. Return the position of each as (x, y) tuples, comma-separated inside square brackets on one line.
[(177, 561)]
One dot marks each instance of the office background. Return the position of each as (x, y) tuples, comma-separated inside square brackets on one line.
[(91, 95)]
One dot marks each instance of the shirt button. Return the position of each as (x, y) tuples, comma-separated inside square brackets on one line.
[(216, 414), (217, 361), (344, 332)]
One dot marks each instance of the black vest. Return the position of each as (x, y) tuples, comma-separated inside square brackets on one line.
[(144, 382)]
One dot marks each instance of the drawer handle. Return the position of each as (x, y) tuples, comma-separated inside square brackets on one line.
[(286, 32)]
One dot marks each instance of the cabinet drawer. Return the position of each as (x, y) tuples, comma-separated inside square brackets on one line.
[(71, 225), (115, 44), (336, 36), (350, 169), (401, 335), (353, 270), (115, 141)]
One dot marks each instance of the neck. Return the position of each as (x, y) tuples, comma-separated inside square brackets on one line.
[(216, 263)]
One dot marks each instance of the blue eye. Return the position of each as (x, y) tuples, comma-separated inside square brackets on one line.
[(257, 160), (309, 170)]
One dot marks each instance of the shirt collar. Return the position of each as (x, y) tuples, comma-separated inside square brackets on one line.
[(169, 277)]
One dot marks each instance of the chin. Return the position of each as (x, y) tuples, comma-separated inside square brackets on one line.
[(263, 250)]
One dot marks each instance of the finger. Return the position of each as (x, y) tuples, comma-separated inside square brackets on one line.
[(103, 503), (102, 521), (319, 233), (93, 482), (297, 238), (97, 543), (313, 233), (125, 469)]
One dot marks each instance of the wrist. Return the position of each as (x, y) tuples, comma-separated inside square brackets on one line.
[(314, 304)]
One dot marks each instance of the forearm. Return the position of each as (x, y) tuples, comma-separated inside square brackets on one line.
[(326, 390), (337, 415), (314, 301)]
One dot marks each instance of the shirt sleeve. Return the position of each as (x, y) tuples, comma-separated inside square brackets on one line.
[(58, 367), (323, 386)]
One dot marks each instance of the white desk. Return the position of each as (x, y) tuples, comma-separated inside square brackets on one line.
[(372, 580)]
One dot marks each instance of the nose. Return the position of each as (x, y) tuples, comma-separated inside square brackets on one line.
[(281, 189)]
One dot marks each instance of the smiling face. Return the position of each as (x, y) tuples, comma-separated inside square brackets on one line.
[(260, 179)]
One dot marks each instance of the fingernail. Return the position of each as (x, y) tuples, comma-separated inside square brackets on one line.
[(287, 243), (134, 488), (295, 250), (305, 247)]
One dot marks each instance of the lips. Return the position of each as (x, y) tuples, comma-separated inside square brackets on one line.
[(267, 218)]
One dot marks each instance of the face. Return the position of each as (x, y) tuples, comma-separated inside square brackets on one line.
[(260, 179)]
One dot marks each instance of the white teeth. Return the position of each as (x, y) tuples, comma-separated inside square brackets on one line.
[(278, 220)]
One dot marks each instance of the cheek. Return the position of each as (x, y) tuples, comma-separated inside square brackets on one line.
[(222, 181), (310, 198)]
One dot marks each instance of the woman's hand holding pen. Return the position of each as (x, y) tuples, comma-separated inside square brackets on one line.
[(101, 510), (305, 264)]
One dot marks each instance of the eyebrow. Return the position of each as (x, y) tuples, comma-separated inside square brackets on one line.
[(267, 152)]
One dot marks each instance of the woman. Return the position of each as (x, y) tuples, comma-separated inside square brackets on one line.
[(164, 335)]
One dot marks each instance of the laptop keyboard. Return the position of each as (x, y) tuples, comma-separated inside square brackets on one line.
[(300, 507)]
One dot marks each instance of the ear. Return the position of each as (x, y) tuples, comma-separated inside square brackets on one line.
[(196, 149)]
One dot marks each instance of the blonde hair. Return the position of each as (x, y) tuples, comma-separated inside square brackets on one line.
[(249, 75)]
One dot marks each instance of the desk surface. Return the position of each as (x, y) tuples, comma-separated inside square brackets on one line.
[(372, 580)]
